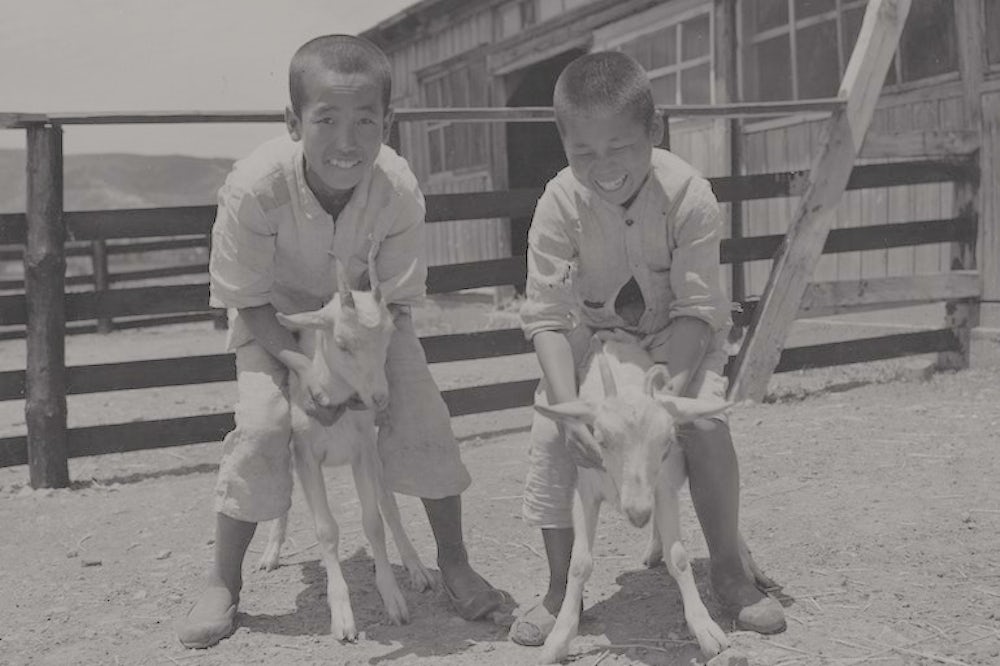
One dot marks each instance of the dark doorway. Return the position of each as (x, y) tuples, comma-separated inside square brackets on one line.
[(534, 151)]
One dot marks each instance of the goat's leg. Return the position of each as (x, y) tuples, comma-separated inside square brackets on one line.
[(709, 635), (420, 578), (276, 537), (586, 509), (366, 482), (654, 549), (328, 535)]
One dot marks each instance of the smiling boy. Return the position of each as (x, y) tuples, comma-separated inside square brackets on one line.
[(331, 188), (628, 237)]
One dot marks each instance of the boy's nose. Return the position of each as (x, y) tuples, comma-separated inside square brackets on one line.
[(345, 139)]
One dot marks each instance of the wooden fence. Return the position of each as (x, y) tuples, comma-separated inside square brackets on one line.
[(45, 226)]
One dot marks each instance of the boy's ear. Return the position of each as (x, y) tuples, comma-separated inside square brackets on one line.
[(387, 121), (656, 130), (293, 123)]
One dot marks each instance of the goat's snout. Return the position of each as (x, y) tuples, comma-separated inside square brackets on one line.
[(638, 516), (381, 400)]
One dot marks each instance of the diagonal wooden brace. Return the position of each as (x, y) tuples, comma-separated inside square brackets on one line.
[(797, 256)]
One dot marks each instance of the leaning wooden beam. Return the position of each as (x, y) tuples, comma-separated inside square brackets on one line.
[(803, 245), (44, 271)]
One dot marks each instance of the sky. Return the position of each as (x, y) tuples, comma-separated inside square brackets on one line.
[(162, 55)]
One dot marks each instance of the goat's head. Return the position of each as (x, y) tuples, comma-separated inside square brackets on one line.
[(635, 427), (352, 338)]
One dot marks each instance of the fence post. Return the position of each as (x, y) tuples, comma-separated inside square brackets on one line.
[(963, 316), (99, 266), (44, 286)]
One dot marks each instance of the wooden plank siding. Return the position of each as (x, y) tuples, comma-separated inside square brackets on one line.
[(790, 146)]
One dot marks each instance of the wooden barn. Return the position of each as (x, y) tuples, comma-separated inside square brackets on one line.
[(942, 96)]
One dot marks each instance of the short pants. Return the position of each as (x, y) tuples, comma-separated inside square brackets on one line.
[(551, 479), (420, 456)]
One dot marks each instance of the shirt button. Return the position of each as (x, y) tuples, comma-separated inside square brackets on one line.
[(629, 222)]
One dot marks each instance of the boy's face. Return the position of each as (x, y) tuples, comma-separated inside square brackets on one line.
[(610, 154), (342, 125)]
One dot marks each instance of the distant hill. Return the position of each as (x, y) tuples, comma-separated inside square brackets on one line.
[(115, 180)]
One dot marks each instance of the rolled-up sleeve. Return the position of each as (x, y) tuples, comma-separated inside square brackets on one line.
[(694, 274), (241, 265), (552, 258), (399, 263)]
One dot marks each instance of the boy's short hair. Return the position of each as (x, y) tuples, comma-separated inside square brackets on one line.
[(604, 82), (347, 54)]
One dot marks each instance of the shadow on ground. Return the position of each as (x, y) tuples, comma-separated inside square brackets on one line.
[(434, 629)]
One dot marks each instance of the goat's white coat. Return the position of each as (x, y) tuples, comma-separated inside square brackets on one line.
[(636, 428), (350, 440)]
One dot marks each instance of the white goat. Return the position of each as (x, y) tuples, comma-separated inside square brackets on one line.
[(347, 340), (634, 422)]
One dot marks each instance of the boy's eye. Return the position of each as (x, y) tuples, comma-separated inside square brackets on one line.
[(367, 121), (326, 121)]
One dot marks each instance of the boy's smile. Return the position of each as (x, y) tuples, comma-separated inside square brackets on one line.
[(341, 125), (609, 154)]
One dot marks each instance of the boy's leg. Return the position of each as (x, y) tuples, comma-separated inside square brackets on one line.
[(420, 457), (254, 485), (714, 480), (214, 613), (548, 504), (471, 594)]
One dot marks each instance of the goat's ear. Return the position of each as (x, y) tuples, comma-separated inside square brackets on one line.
[(303, 320), (657, 378), (578, 410), (685, 410)]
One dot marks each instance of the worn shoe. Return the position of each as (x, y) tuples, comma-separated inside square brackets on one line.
[(764, 617), (533, 626), (479, 605), (206, 632)]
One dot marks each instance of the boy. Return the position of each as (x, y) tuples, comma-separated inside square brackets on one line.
[(627, 237), (331, 187)]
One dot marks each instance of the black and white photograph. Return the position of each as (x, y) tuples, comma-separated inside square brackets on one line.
[(500, 332)]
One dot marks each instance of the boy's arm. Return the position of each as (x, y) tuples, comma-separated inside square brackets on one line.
[(699, 308), (279, 342), (689, 341), (400, 264), (241, 270), (547, 314)]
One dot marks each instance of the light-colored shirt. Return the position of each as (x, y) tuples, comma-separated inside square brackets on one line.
[(272, 240), (582, 250)]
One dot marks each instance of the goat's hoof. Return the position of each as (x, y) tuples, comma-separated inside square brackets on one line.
[(711, 639), (553, 654), (420, 578), (342, 622), (394, 601), (269, 560), (654, 556)]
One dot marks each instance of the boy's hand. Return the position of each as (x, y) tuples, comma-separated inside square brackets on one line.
[(317, 401), (583, 448)]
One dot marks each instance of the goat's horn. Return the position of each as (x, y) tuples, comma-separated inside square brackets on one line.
[(607, 378), (343, 286), (657, 372)]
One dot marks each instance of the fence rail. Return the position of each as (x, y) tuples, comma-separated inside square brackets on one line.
[(148, 230)]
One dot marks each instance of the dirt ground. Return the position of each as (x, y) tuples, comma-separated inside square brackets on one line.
[(869, 492)]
